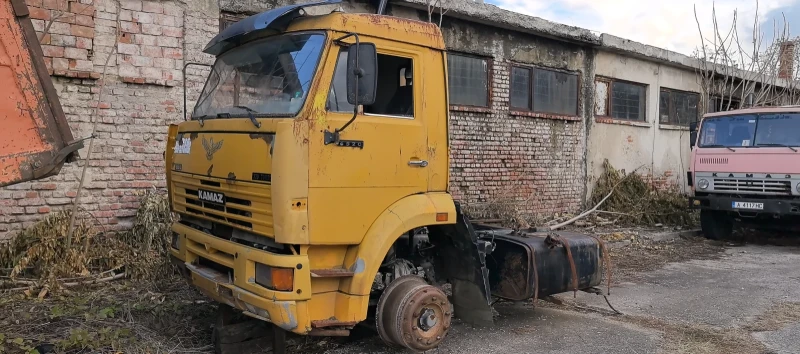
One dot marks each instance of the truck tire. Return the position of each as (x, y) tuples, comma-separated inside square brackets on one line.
[(716, 225)]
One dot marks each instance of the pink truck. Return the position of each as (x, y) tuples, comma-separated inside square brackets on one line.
[(745, 168)]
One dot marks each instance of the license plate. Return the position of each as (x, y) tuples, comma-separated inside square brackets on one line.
[(748, 205), (211, 197)]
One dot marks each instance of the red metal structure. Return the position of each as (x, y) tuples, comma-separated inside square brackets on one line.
[(35, 139)]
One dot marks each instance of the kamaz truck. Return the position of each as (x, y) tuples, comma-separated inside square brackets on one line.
[(745, 169), (311, 181)]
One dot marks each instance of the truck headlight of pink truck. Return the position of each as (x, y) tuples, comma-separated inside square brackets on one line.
[(745, 168)]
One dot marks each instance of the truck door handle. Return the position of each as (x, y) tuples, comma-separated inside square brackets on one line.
[(418, 163)]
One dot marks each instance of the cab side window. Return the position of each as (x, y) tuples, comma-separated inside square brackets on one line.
[(395, 90)]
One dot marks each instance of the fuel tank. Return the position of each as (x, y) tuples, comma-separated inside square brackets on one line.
[(527, 264)]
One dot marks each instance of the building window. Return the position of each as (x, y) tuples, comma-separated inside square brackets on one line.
[(627, 101), (520, 88), (468, 78), (677, 107), (548, 92)]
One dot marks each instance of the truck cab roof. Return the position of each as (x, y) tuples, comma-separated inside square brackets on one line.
[(292, 19), (755, 110)]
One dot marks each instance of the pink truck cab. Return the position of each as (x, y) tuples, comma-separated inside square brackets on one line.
[(745, 167)]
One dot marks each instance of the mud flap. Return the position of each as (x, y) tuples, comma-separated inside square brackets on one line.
[(462, 261)]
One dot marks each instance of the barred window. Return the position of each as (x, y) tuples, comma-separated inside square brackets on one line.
[(468, 78), (678, 107), (628, 101), (549, 91)]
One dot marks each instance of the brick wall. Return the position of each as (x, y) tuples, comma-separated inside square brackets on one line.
[(500, 156), (142, 97), (535, 159)]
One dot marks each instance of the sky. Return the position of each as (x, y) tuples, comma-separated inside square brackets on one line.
[(665, 24)]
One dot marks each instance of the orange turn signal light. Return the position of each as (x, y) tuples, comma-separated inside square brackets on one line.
[(441, 217), (273, 278)]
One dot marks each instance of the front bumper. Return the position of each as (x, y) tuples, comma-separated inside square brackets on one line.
[(789, 207), (288, 310)]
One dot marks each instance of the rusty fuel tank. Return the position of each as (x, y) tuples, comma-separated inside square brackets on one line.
[(524, 265), (35, 139)]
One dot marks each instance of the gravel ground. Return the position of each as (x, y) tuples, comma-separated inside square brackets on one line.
[(680, 295)]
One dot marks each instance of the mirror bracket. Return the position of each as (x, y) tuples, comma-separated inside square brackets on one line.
[(332, 137)]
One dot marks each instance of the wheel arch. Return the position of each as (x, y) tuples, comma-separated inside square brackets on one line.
[(411, 212)]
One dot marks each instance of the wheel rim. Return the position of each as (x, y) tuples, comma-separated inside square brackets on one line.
[(413, 314), (426, 317), (391, 298)]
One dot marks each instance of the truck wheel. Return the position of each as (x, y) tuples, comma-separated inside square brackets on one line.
[(413, 314), (716, 225)]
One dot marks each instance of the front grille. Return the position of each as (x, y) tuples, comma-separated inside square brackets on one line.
[(752, 186), (713, 160), (247, 206), (231, 207)]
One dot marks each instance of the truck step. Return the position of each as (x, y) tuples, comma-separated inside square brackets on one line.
[(331, 273)]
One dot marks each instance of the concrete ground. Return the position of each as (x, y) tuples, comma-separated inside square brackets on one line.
[(741, 299)]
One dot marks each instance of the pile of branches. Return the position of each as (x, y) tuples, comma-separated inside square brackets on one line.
[(41, 258), (633, 200)]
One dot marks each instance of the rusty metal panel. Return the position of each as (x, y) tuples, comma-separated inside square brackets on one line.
[(525, 265), (35, 138)]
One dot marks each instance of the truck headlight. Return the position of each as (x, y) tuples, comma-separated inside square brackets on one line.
[(703, 183), (273, 278)]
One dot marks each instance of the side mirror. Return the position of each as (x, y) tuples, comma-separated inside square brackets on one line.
[(692, 134), (362, 74)]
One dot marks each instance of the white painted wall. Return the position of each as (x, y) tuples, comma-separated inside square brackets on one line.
[(629, 145)]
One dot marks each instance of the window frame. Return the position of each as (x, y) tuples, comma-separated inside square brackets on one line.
[(414, 69), (609, 102), (531, 85), (489, 79), (670, 107)]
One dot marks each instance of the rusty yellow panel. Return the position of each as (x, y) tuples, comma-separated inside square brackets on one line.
[(221, 155), (396, 29), (326, 257)]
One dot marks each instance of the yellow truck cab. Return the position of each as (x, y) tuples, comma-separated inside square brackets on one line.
[(312, 186)]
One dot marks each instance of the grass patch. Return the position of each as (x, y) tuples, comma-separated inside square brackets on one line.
[(777, 317)]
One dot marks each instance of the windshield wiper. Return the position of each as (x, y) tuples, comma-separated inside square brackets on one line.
[(250, 112), (204, 117), (719, 146), (778, 145)]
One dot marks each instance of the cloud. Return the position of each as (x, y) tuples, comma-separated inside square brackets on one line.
[(665, 24)]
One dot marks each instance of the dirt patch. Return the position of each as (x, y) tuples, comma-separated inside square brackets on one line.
[(118, 317), (776, 318), (642, 255)]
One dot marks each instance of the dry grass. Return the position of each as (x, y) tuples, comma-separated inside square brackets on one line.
[(637, 202), (776, 318), (39, 257), (699, 339)]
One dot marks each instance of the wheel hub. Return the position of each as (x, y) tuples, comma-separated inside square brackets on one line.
[(428, 319), (413, 314)]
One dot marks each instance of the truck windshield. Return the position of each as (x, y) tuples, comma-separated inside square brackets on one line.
[(267, 78), (751, 130)]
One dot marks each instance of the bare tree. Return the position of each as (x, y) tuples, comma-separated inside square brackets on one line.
[(734, 72), (435, 6)]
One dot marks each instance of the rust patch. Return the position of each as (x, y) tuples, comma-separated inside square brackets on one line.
[(332, 322), (193, 136), (630, 139), (231, 176)]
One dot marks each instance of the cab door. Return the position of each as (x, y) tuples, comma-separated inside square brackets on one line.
[(383, 156)]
